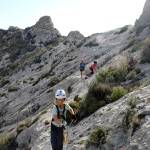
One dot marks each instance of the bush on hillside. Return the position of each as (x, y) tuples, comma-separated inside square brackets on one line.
[(54, 80), (2, 94), (146, 54), (91, 43), (7, 141), (24, 124), (95, 98), (117, 93), (131, 75), (97, 137), (112, 75), (137, 70), (69, 89), (77, 98), (132, 103), (74, 105), (12, 88), (123, 29)]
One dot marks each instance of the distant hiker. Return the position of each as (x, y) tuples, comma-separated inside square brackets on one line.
[(93, 68), (59, 120), (82, 67)]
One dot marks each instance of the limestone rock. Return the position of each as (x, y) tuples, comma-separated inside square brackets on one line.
[(145, 16), (44, 22), (43, 32)]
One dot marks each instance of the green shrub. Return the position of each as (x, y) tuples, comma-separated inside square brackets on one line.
[(117, 93), (137, 70), (132, 103), (127, 118), (131, 43), (6, 139), (77, 98), (112, 75), (54, 80), (45, 75), (91, 43), (4, 82), (2, 94), (47, 122), (146, 82), (36, 81), (123, 29), (97, 137), (95, 98), (146, 54), (74, 106), (131, 75), (69, 89), (136, 46), (24, 124), (12, 88), (43, 112), (131, 120)]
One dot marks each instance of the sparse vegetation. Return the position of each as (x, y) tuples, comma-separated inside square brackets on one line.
[(54, 80), (132, 103), (97, 137), (2, 94), (91, 43), (77, 98), (127, 118), (24, 124), (95, 98), (69, 89), (146, 54), (123, 29), (74, 105), (131, 75), (47, 122), (117, 93), (112, 75), (12, 88), (6, 141)]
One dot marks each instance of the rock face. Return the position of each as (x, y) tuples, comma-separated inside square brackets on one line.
[(35, 62), (43, 32), (44, 22), (145, 16)]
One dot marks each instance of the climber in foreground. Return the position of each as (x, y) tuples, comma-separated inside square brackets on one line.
[(59, 119)]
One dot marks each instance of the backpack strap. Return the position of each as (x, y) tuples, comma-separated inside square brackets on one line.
[(58, 112)]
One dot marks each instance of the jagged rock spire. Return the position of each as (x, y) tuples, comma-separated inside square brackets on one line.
[(44, 22), (145, 16)]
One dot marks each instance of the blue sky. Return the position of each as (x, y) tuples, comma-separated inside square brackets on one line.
[(86, 16)]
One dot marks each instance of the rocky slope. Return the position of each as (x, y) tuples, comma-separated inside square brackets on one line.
[(36, 61)]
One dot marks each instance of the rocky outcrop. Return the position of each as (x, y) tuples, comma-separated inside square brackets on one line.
[(145, 16), (74, 37), (43, 32)]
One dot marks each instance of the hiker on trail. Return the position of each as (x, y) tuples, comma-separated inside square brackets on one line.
[(93, 68), (82, 67), (58, 120)]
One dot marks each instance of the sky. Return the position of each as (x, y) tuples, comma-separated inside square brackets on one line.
[(86, 16)]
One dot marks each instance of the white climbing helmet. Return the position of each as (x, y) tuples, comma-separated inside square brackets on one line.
[(60, 94)]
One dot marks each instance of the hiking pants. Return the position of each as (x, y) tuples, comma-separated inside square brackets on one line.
[(56, 137), (92, 71)]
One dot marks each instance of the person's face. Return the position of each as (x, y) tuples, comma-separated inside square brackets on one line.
[(60, 101)]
